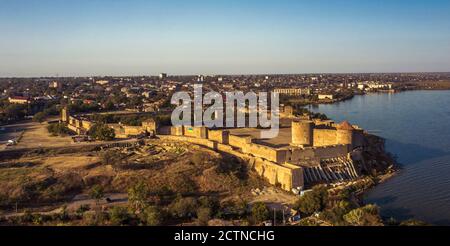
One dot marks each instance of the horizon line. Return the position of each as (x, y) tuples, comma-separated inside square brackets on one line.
[(218, 74)]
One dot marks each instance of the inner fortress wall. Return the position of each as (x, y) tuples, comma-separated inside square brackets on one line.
[(325, 137)]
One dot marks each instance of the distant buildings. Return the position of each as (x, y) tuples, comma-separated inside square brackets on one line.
[(19, 100), (162, 75), (102, 82), (325, 97), (293, 91)]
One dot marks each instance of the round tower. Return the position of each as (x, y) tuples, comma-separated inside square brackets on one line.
[(302, 133), (345, 133)]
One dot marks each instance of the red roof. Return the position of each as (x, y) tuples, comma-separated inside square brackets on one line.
[(345, 126)]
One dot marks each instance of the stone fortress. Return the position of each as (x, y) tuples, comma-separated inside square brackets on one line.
[(306, 152), (81, 125)]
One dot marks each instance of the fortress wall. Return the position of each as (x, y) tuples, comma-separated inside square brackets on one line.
[(331, 151), (196, 132), (133, 130), (239, 142), (324, 137), (150, 126), (286, 176), (176, 131), (198, 141), (314, 155), (268, 153), (219, 136)]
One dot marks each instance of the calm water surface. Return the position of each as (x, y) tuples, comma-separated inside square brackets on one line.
[(416, 125)]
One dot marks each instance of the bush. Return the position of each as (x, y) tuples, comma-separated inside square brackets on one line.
[(102, 132), (137, 197), (39, 117), (203, 216), (365, 216), (119, 216), (113, 158), (211, 203), (313, 201), (59, 129), (336, 214), (183, 207), (152, 216), (96, 193), (260, 212)]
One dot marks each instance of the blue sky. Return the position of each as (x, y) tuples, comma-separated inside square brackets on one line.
[(144, 37)]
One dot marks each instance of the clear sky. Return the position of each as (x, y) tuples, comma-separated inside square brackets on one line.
[(145, 37)]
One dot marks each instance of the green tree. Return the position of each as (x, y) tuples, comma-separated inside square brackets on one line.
[(314, 201), (96, 193), (102, 132), (260, 212), (58, 129), (39, 117), (152, 216), (137, 197), (183, 207), (113, 158), (119, 215), (203, 216), (364, 216)]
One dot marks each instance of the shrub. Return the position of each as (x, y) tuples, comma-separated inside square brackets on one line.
[(119, 215), (203, 216), (96, 193), (364, 216), (102, 132), (137, 197), (59, 129), (313, 201), (39, 117), (183, 207), (260, 212), (152, 216), (211, 203)]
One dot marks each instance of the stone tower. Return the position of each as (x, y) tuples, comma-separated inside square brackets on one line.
[(302, 133), (65, 115), (345, 132)]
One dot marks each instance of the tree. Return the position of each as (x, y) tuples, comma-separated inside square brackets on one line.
[(39, 117), (260, 212), (364, 216), (314, 201), (137, 197), (96, 193), (113, 158), (152, 216), (336, 214), (203, 216), (183, 207), (58, 129), (102, 132), (119, 215)]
